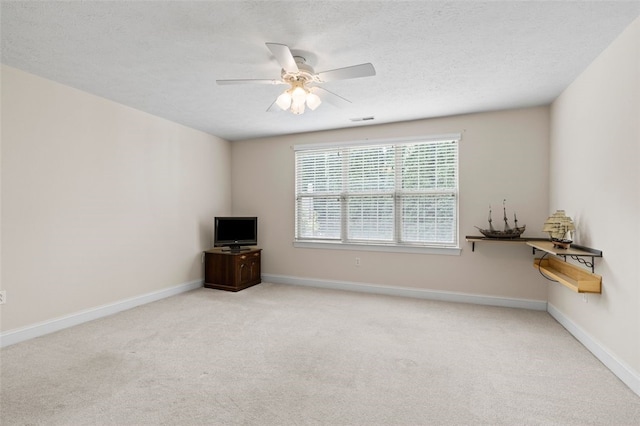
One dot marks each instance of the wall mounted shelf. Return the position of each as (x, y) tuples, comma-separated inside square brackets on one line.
[(572, 276), (473, 239), (555, 269), (576, 252)]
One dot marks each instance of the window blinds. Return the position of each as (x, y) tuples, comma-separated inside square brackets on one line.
[(392, 193)]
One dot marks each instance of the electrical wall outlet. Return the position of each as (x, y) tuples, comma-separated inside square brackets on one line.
[(357, 261), (3, 297)]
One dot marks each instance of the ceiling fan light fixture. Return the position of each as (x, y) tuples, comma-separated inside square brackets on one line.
[(296, 98), (297, 74)]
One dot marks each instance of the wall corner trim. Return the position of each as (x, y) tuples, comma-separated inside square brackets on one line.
[(444, 296), (622, 370), (12, 337)]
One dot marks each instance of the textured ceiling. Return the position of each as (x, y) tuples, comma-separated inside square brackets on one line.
[(431, 58)]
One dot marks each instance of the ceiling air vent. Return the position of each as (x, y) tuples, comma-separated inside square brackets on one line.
[(362, 119)]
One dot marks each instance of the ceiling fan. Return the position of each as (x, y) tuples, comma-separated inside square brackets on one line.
[(303, 81)]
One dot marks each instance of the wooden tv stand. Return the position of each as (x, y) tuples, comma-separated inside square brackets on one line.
[(231, 270)]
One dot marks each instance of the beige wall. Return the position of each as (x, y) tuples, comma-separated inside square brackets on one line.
[(595, 177), (100, 202), (502, 155)]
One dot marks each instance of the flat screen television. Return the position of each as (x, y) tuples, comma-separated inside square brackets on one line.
[(235, 232)]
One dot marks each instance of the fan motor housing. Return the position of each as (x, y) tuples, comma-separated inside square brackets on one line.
[(305, 72)]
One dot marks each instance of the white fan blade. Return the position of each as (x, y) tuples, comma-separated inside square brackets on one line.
[(274, 107), (355, 71), (249, 81), (330, 97), (284, 56)]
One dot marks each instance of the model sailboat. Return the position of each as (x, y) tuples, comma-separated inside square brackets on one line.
[(559, 227), (508, 232)]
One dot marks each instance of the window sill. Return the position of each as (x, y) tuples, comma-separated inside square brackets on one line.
[(448, 251)]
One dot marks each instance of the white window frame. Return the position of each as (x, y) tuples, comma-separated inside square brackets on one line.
[(393, 246)]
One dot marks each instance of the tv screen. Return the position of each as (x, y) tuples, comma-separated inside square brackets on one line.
[(235, 232)]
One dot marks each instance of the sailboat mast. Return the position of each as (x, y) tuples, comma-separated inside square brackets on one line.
[(490, 220), (504, 213)]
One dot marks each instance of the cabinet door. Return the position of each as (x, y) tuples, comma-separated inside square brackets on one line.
[(243, 270), (255, 267)]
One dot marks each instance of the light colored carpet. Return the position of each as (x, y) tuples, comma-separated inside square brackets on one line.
[(287, 355)]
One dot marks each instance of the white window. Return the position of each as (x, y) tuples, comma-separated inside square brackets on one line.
[(398, 193)]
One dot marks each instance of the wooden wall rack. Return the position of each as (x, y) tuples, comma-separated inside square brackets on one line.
[(555, 269), (576, 252), (473, 239), (567, 274), (574, 277)]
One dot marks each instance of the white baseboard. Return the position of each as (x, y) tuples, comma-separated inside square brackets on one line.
[(12, 337), (444, 296), (623, 371)]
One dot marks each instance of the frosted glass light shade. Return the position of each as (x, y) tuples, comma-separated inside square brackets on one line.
[(299, 95), (313, 101), (284, 100), (297, 107)]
